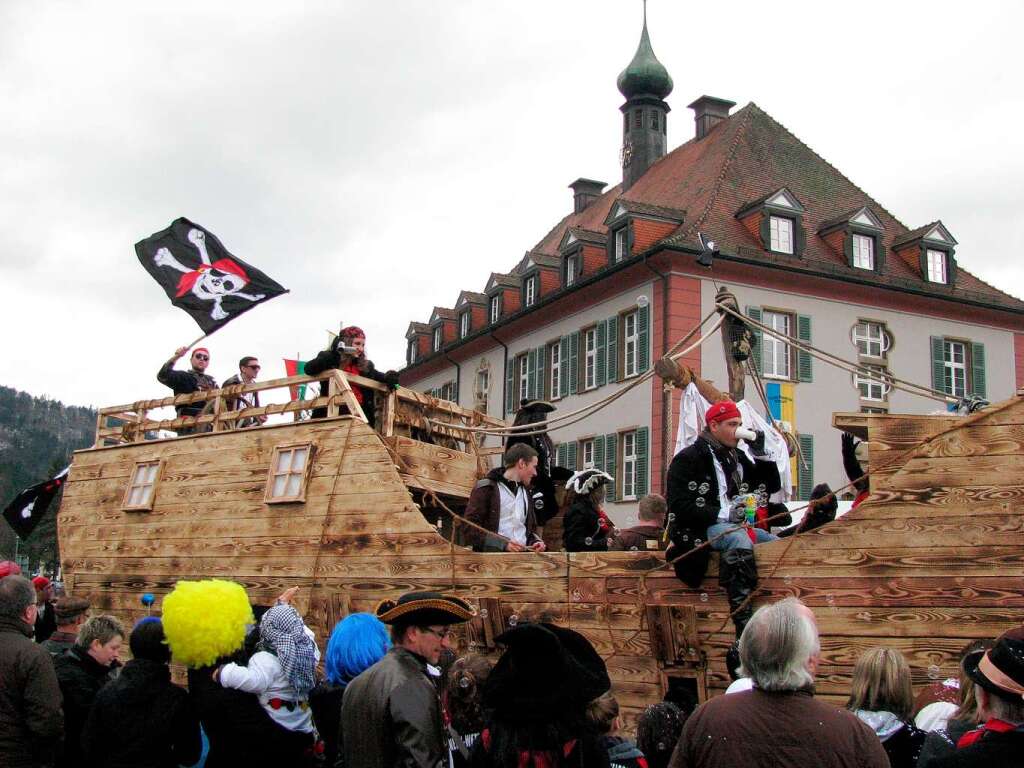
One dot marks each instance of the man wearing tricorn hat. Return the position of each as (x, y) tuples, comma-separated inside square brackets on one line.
[(391, 714)]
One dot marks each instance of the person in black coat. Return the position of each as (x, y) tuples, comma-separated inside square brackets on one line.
[(141, 719), (348, 353), (81, 672), (586, 527), (545, 504), (700, 509)]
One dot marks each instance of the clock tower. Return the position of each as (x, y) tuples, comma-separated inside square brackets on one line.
[(645, 83)]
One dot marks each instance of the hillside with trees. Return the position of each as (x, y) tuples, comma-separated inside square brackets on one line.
[(37, 437)]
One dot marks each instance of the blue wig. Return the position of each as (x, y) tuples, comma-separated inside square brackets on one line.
[(358, 642)]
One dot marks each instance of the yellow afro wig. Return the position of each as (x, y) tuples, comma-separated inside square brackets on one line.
[(205, 620)]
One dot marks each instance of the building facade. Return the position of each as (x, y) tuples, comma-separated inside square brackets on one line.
[(616, 283)]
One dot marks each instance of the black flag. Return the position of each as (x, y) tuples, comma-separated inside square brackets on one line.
[(199, 274), (29, 506)]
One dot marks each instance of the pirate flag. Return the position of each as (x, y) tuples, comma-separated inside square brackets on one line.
[(29, 506), (199, 274)]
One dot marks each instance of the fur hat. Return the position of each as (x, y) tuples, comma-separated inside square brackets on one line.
[(546, 672), (586, 480), (424, 608)]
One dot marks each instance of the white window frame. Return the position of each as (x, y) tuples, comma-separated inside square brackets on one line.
[(523, 371), (571, 269), (590, 358), (483, 386), (555, 374), (438, 337), (587, 446), (281, 478), (871, 339), (141, 486), (464, 325), (630, 344), (782, 230), (775, 351), (621, 241), (495, 308), (413, 349), (954, 369), (629, 461), (447, 391), (938, 267), (873, 388), (863, 251), (531, 290)]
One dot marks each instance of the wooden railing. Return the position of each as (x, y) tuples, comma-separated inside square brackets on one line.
[(398, 412)]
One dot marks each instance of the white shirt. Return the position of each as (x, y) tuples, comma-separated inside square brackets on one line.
[(512, 523)]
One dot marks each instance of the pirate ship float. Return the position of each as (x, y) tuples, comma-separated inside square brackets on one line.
[(349, 514)]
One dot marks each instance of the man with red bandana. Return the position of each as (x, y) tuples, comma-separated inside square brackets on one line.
[(186, 382), (348, 354), (708, 485)]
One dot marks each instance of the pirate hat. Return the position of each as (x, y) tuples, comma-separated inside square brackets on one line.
[(586, 480), (546, 672), (538, 406), (999, 670), (424, 608), (560, 475)]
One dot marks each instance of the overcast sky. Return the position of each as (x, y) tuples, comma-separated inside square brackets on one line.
[(377, 157)]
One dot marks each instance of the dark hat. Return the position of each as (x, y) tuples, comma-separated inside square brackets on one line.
[(587, 480), (68, 609), (559, 475), (425, 608), (1000, 670), (546, 672), (540, 406)]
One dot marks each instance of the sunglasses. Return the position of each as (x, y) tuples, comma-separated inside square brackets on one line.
[(253, 367), (201, 357)]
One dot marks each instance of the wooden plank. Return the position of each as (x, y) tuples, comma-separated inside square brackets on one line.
[(940, 500), (917, 532), (977, 440), (924, 473), (605, 616)]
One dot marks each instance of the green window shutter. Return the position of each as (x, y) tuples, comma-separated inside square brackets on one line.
[(643, 324), (799, 238), (611, 444), (563, 367), (531, 374), (629, 241), (570, 456), (562, 454), (938, 366), (540, 388), (754, 313), (599, 453), (642, 441), (804, 370), (613, 349), (602, 354), (978, 369), (574, 362), (510, 388), (806, 475)]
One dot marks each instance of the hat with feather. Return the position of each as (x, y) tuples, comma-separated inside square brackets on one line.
[(584, 481)]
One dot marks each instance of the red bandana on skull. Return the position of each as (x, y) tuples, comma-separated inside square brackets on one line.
[(224, 265)]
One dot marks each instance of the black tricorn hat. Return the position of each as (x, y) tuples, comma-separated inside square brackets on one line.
[(559, 475), (999, 670), (424, 608), (547, 672), (538, 406)]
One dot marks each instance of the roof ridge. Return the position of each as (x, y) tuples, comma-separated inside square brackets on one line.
[(818, 155)]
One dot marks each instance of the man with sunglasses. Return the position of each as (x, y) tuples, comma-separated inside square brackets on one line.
[(248, 369), (187, 382)]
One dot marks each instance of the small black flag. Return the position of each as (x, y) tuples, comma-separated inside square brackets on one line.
[(201, 276), (29, 506)]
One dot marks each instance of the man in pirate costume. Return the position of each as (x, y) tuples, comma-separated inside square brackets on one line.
[(501, 503), (545, 504), (391, 713), (186, 382), (708, 485), (348, 353)]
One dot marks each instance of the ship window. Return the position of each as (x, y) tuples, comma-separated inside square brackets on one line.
[(141, 487), (289, 470)]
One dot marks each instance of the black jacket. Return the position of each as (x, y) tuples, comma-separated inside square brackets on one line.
[(331, 359), (581, 530), (80, 677), (46, 622), (185, 383), (904, 746), (484, 509), (693, 502), (31, 723), (1005, 750), (142, 720), (325, 701)]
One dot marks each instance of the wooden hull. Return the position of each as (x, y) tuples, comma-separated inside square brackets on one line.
[(936, 558)]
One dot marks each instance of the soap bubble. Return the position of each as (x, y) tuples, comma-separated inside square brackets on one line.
[(588, 541), (744, 487), (513, 620), (692, 485), (787, 580), (633, 548), (704, 597), (699, 502), (464, 682), (483, 613)]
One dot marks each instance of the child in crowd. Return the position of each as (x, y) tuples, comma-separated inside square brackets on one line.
[(657, 732), (283, 670), (603, 714)]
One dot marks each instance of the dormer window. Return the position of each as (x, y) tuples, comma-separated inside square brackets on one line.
[(464, 325), (530, 291), (863, 252), (412, 351), (495, 308), (572, 269), (621, 245), (937, 271), (438, 338), (781, 230)]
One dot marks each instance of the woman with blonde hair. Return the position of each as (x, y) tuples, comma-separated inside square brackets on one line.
[(881, 696)]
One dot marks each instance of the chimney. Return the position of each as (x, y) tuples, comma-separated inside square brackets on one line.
[(708, 112), (584, 192)]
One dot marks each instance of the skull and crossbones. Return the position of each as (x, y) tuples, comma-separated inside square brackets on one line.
[(210, 281)]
